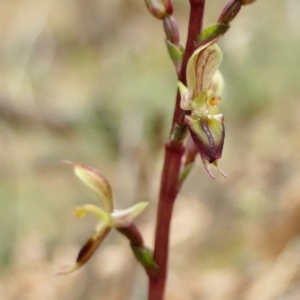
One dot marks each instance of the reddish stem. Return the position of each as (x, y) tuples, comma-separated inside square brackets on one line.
[(170, 175), (195, 26), (168, 193)]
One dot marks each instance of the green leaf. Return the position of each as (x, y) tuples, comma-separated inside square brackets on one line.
[(176, 54), (211, 33)]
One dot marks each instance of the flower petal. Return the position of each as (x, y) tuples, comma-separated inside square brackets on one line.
[(88, 248), (200, 104), (96, 182), (185, 102), (122, 218), (100, 213), (208, 134), (201, 68), (217, 83)]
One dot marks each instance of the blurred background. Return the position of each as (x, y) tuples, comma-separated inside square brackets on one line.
[(90, 81)]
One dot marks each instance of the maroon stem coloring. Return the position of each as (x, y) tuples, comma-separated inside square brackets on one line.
[(174, 151)]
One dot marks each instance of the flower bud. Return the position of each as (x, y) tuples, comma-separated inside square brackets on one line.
[(245, 2), (176, 54), (169, 6), (160, 8), (171, 30), (212, 34), (230, 11)]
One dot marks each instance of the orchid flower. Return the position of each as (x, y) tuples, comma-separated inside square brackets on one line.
[(108, 216), (201, 97)]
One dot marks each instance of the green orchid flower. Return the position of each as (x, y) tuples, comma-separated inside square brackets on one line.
[(201, 97), (107, 216)]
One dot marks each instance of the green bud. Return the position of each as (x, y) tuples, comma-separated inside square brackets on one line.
[(211, 33), (176, 55)]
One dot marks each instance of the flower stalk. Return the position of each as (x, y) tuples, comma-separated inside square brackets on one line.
[(170, 179), (197, 128), (178, 160), (108, 219)]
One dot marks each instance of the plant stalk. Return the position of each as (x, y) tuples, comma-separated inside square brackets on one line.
[(174, 151)]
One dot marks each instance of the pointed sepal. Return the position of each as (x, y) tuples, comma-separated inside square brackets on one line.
[(207, 166), (96, 182), (88, 248), (124, 217)]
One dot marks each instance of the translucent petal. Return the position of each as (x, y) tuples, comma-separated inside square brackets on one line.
[(201, 68), (122, 218), (96, 182), (100, 213)]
